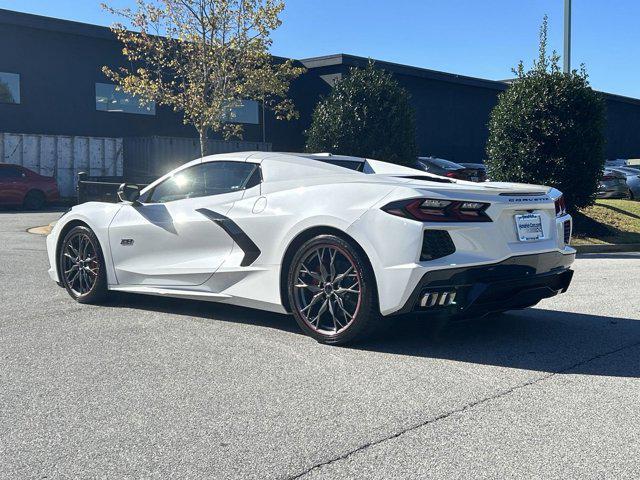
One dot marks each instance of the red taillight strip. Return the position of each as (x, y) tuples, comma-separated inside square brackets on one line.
[(561, 206), (453, 212)]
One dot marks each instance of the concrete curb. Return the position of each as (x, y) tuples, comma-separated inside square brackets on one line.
[(608, 248)]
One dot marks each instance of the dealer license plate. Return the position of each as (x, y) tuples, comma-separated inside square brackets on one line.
[(529, 227)]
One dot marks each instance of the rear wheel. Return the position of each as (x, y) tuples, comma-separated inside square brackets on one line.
[(81, 266), (34, 200), (332, 291)]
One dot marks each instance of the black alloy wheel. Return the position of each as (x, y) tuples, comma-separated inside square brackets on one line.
[(81, 266), (332, 291)]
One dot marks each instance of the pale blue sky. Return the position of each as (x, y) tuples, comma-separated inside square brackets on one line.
[(482, 38)]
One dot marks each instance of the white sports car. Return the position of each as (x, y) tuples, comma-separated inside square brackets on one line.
[(336, 241)]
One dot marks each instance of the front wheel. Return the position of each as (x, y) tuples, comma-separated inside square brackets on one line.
[(34, 200), (81, 266), (332, 291)]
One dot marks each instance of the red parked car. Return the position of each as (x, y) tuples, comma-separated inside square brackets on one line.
[(21, 186)]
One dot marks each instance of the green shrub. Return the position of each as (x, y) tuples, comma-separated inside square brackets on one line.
[(548, 128), (367, 114)]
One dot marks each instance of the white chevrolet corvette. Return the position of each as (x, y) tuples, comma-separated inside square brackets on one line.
[(336, 241)]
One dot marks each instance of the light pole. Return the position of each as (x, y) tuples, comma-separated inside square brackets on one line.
[(567, 36)]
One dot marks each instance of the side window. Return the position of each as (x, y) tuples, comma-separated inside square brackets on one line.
[(211, 178), (225, 177), (10, 172), (422, 166), (255, 179), (187, 183)]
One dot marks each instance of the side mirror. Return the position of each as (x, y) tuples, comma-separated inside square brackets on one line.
[(129, 193)]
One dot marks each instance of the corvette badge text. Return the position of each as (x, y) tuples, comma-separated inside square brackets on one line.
[(529, 200)]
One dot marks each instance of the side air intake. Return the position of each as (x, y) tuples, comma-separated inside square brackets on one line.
[(567, 232), (436, 244)]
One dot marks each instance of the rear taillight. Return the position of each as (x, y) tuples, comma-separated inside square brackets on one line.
[(436, 210), (454, 174), (561, 206), (608, 178), (567, 232)]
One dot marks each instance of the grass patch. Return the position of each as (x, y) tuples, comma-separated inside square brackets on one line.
[(608, 221)]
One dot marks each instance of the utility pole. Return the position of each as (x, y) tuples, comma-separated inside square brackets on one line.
[(264, 125), (567, 36)]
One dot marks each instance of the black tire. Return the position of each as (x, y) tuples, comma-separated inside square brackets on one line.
[(81, 266), (323, 300), (34, 200)]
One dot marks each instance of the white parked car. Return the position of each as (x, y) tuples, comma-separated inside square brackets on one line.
[(336, 241), (619, 162)]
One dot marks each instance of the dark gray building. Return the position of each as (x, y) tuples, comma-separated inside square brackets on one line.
[(51, 83), (452, 111)]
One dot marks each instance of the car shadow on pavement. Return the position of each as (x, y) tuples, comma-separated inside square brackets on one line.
[(613, 255), (532, 339), (205, 310)]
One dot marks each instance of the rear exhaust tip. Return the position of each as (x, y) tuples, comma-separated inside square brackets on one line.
[(442, 299)]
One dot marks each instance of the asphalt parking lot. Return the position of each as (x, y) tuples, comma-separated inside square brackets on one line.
[(149, 387)]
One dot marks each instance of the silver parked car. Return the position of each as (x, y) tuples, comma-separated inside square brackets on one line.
[(633, 180), (613, 184)]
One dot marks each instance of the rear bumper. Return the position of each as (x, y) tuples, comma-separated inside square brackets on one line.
[(516, 282)]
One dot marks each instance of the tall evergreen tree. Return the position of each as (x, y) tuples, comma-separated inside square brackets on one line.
[(367, 114), (548, 128)]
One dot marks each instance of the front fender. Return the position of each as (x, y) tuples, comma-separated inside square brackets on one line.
[(97, 216)]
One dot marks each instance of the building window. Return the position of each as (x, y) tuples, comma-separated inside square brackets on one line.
[(108, 99), (9, 87), (246, 112)]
